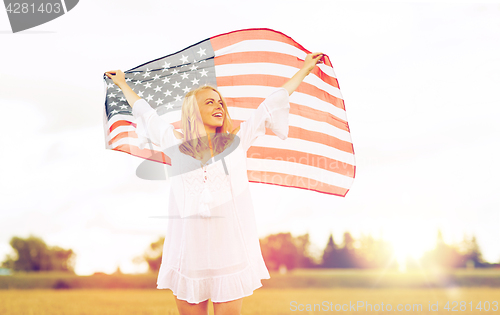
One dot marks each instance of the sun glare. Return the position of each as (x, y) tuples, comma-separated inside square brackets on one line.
[(409, 241)]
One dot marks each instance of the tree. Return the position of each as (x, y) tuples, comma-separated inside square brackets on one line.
[(153, 255), (346, 254), (279, 249), (472, 252), (304, 259), (118, 271), (32, 254), (330, 254), (340, 257), (370, 253), (443, 255), (374, 253)]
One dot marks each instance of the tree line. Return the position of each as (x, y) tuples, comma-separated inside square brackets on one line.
[(280, 251), (283, 249), (33, 254)]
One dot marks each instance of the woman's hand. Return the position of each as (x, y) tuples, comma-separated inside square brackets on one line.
[(117, 76), (311, 61), (309, 64)]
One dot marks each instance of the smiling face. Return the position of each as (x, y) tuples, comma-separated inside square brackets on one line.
[(211, 109)]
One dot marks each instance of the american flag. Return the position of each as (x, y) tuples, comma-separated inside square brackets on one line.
[(246, 66)]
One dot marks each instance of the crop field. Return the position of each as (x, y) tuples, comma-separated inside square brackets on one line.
[(304, 292), (263, 301)]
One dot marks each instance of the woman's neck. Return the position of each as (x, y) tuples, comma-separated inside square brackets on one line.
[(210, 130)]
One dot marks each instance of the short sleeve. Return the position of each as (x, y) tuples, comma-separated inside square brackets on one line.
[(151, 126), (272, 113)]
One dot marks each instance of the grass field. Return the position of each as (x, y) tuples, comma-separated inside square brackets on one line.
[(298, 278), (323, 291), (263, 301)]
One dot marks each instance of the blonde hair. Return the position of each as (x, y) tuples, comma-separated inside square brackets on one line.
[(195, 140)]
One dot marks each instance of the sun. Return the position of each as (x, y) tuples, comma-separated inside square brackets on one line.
[(409, 240)]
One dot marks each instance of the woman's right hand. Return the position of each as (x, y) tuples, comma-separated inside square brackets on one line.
[(311, 61), (117, 76)]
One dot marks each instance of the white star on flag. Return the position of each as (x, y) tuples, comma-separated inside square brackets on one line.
[(184, 59), (201, 52)]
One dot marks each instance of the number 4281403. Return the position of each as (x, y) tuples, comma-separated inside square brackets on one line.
[(481, 306), (31, 8)]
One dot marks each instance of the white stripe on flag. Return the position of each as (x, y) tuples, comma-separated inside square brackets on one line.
[(305, 146), (302, 170)]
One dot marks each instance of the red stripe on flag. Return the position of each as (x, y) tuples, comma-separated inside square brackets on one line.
[(288, 180), (295, 109), (231, 38), (123, 135), (276, 81), (177, 124), (120, 123), (318, 137), (304, 158)]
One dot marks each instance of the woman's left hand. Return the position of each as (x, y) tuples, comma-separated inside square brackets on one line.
[(309, 64), (311, 61)]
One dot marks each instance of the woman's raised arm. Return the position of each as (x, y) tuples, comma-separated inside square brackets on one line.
[(118, 78), (149, 124), (309, 64)]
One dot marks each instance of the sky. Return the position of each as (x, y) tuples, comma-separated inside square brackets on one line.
[(420, 84)]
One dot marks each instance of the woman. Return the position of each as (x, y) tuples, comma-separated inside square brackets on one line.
[(212, 250)]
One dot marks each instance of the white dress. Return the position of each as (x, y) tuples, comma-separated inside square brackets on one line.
[(214, 255)]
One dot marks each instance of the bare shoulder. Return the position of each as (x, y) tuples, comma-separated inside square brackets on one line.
[(178, 135)]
